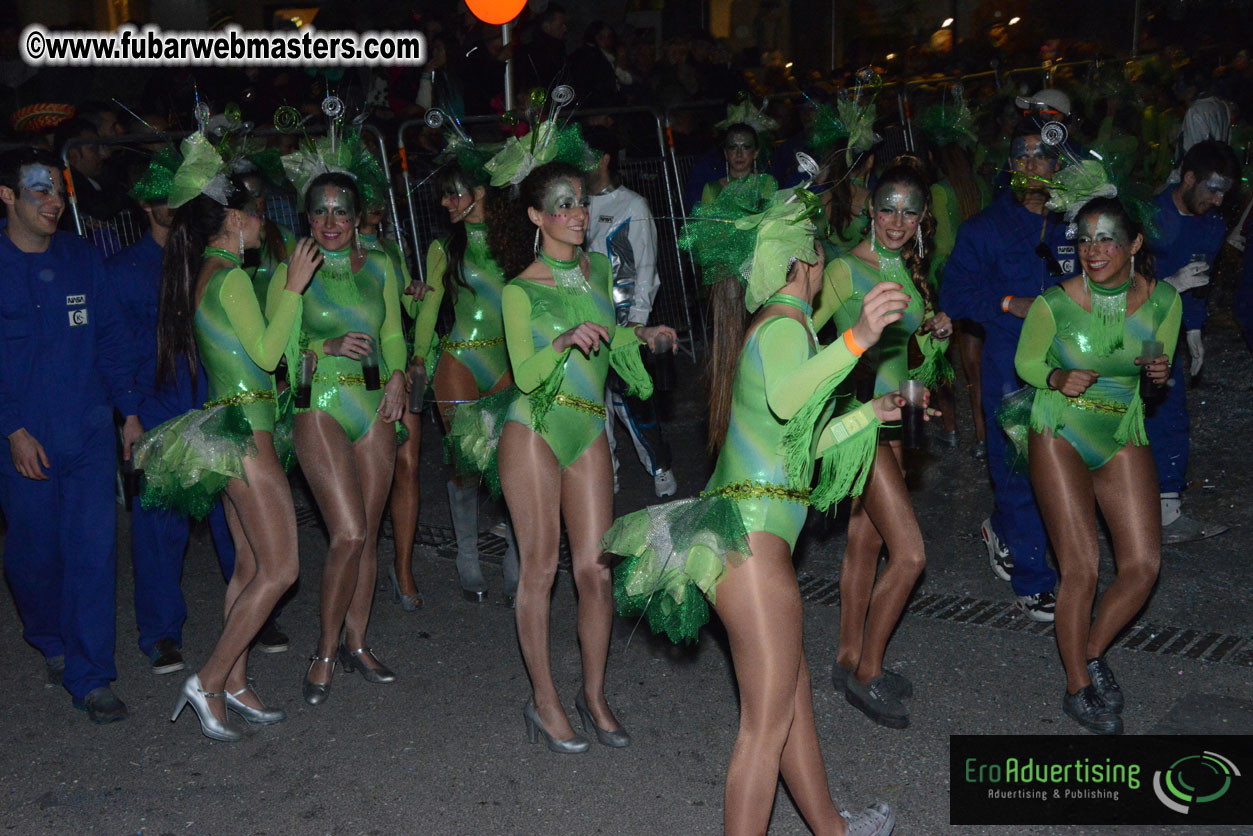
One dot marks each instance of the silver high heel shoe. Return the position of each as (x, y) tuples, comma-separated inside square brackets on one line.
[(257, 716), (535, 727), (351, 660), (196, 696), (408, 603), (616, 739), (315, 693)]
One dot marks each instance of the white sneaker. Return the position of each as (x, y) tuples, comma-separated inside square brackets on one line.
[(999, 558), (1038, 607), (664, 483)]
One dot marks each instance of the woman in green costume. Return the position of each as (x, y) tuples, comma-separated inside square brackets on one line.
[(740, 148), (346, 439), (894, 250), (772, 404), (277, 241), (1082, 349), (473, 361), (209, 314), (553, 454)]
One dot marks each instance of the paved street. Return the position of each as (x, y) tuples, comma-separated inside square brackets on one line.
[(442, 752)]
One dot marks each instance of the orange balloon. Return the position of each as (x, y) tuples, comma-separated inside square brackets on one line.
[(496, 11)]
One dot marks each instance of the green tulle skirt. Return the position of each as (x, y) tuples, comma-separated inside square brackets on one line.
[(188, 461), (474, 437), (676, 554)]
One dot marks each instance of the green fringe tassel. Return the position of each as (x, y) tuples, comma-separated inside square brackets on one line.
[(935, 368), (542, 399), (679, 617), (798, 434), (845, 468), (1048, 410), (1131, 427), (627, 362), (1109, 315)]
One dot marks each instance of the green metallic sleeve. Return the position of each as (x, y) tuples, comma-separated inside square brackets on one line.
[(428, 311), (1031, 358), (264, 343), (791, 375), (392, 332), (530, 367)]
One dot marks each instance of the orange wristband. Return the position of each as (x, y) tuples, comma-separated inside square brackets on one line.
[(851, 343), (1005, 303)]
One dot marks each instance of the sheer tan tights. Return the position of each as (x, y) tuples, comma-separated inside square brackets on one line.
[(759, 602), (869, 610), (531, 478), (1068, 494), (406, 496), (970, 348), (262, 522), (350, 483)]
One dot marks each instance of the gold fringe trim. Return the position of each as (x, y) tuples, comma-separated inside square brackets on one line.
[(1107, 407), (341, 378), (759, 490), (242, 399), (462, 345), (581, 404)]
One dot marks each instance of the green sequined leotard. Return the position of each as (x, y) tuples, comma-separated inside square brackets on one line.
[(1109, 414), (846, 281), (236, 346), (536, 314), (477, 337), (780, 368), (339, 301)]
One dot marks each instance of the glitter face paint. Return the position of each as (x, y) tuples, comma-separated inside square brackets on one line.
[(900, 200), (332, 216), (1218, 184), (1104, 247), (898, 210), (39, 179), (41, 198), (562, 198), (565, 212), (458, 200), (739, 149)]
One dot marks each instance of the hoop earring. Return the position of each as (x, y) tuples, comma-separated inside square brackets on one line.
[(536, 246), (918, 240)]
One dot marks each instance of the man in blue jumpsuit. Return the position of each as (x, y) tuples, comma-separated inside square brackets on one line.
[(1003, 258), (159, 536), (1190, 232), (63, 361)]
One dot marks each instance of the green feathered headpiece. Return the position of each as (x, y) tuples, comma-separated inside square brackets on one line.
[(950, 124), (545, 144), (158, 180), (343, 152), (460, 148), (755, 240), (744, 112), (849, 121), (1101, 172)]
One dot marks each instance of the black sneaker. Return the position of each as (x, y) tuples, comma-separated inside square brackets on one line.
[(271, 639), (102, 706), (875, 701), (1038, 607), (999, 558), (1088, 710), (1105, 684), (54, 666), (893, 682), (165, 657)]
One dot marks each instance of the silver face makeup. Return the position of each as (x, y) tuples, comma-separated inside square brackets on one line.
[(39, 179), (900, 200), (744, 144), (1219, 184), (562, 198), (1102, 229), (1026, 149), (332, 201)]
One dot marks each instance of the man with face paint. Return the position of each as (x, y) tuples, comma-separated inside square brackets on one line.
[(1005, 257), (159, 535), (1190, 234), (620, 226), (63, 369)]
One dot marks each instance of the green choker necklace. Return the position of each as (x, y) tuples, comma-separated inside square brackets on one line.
[(801, 305), (226, 255)]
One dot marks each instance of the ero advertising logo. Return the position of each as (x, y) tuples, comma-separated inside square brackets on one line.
[(1093, 780)]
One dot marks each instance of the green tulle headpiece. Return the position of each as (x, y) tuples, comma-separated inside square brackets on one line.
[(202, 171), (460, 148), (950, 124), (744, 112), (341, 151), (754, 240), (158, 180), (851, 119), (548, 142)]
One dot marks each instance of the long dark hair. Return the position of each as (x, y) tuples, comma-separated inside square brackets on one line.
[(907, 175), (839, 173), (450, 180), (195, 224), (957, 166), (1146, 263), (510, 233), (730, 321)]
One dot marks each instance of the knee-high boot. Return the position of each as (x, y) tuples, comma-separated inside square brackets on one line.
[(463, 504)]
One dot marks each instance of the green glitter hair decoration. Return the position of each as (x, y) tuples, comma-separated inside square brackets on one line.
[(155, 185)]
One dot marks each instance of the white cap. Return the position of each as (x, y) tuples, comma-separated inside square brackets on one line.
[(1046, 99)]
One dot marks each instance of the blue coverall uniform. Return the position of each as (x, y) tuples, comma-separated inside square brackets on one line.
[(1179, 238), (159, 536), (63, 362), (994, 257)]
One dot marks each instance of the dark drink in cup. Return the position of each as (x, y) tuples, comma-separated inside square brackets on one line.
[(663, 364), (304, 380), (370, 368), (1150, 350), (417, 391), (913, 415)]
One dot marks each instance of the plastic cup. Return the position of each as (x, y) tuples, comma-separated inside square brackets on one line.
[(1150, 350), (663, 363), (370, 368), (913, 414), (304, 380), (417, 391)]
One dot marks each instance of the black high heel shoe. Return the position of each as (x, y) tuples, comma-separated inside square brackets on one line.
[(535, 727), (316, 693), (351, 660), (616, 739)]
